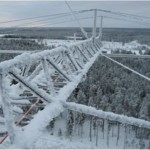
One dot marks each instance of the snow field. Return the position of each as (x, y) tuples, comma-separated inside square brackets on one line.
[(80, 137)]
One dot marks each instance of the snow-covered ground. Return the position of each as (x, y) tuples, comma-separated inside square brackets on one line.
[(79, 140), (133, 46), (50, 138)]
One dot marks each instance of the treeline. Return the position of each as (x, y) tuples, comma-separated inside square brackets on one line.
[(41, 33), (109, 34), (4, 57), (21, 44), (126, 35)]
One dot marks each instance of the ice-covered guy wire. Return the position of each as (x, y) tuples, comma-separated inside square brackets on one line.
[(82, 29)]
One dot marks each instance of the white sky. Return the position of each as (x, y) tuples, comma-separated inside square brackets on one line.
[(23, 9)]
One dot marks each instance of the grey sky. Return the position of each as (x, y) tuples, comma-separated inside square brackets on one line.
[(23, 9)]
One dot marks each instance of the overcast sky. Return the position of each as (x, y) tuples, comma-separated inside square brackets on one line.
[(23, 9)]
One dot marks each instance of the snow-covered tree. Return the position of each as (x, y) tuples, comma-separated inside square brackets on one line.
[(69, 124)]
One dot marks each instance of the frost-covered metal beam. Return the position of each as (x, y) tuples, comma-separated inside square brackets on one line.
[(33, 131), (90, 46), (48, 77), (127, 55), (65, 92), (107, 115), (52, 110), (72, 61), (2, 120), (94, 26), (126, 67), (35, 57), (33, 88), (59, 70), (7, 109), (82, 53), (88, 52), (35, 72), (100, 28)]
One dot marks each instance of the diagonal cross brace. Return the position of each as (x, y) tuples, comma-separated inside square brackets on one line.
[(72, 61), (33, 88), (48, 77), (82, 53), (58, 69), (35, 72), (88, 52)]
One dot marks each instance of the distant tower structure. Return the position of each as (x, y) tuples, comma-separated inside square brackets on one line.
[(74, 37)]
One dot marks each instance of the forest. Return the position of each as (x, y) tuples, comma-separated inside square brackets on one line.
[(21, 44), (109, 34), (111, 88)]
